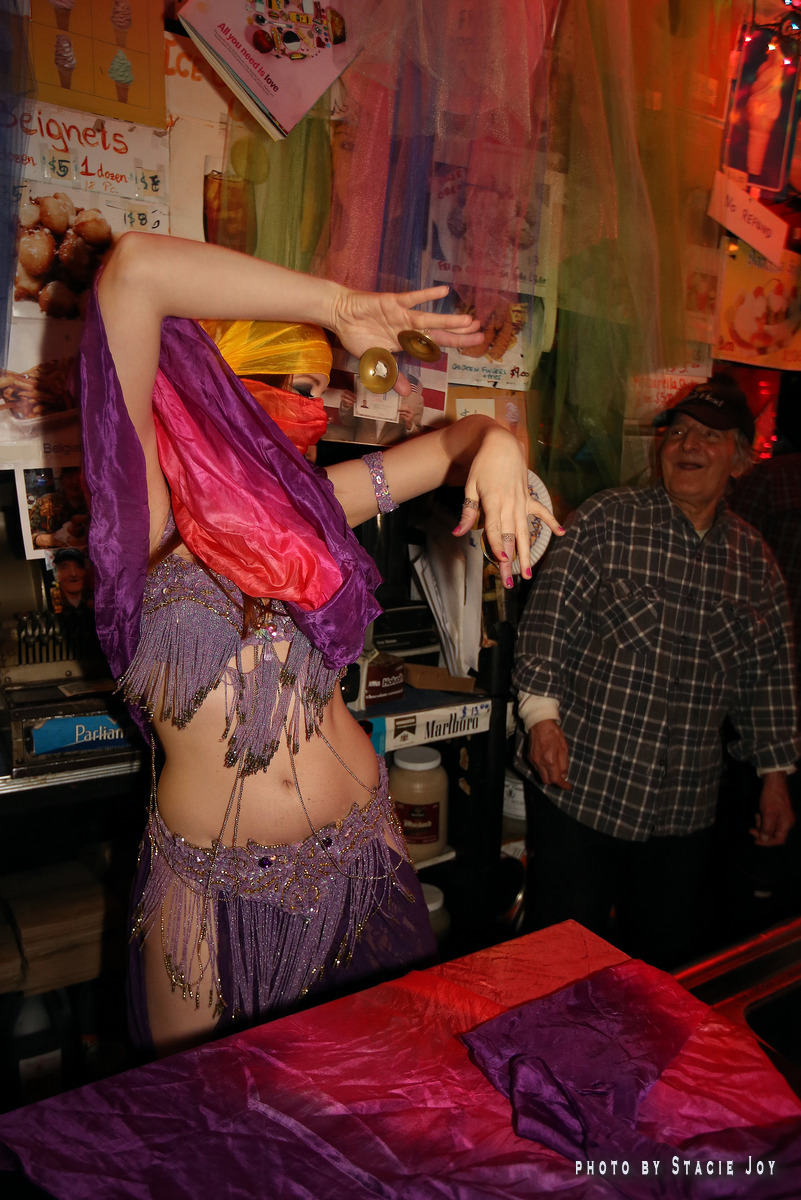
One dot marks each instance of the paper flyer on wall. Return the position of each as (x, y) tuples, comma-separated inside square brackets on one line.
[(467, 240), (761, 122), (506, 407), (38, 414), (84, 182), (55, 529), (703, 269), (277, 56), (506, 358), (102, 56), (52, 504), (760, 310), (740, 210), (356, 415), (651, 393)]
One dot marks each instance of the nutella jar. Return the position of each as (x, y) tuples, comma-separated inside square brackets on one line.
[(418, 786)]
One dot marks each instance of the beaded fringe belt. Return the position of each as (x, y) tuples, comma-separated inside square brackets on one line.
[(283, 906)]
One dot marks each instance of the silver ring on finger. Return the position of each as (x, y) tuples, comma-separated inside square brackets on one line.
[(466, 503), (507, 537)]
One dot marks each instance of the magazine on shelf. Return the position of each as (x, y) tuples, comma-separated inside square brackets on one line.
[(276, 56)]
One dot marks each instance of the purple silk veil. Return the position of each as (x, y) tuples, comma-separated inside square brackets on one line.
[(234, 425)]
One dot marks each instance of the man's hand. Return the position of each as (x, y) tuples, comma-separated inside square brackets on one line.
[(775, 818), (548, 752)]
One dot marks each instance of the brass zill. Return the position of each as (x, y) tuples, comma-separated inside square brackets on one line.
[(378, 370), (419, 345)]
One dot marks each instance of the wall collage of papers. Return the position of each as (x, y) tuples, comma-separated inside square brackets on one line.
[(132, 129), (95, 163), (110, 146)]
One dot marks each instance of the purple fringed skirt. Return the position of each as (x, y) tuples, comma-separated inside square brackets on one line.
[(254, 930)]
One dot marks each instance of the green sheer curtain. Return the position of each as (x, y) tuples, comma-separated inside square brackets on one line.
[(638, 93), (285, 187)]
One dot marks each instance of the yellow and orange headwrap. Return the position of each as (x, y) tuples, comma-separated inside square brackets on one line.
[(275, 348), (271, 347)]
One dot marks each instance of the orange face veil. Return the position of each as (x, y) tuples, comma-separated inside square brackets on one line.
[(275, 348)]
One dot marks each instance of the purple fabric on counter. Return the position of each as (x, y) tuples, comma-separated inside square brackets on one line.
[(578, 1065), (375, 1094), (115, 474), (292, 1161)]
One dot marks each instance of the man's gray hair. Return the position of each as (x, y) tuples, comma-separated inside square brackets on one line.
[(743, 452)]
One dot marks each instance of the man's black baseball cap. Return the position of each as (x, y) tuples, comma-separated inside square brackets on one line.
[(719, 404)]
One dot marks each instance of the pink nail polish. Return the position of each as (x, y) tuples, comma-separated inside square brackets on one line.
[(504, 558), (457, 530), (527, 572)]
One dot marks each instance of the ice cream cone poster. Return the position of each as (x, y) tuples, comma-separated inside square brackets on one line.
[(102, 56), (760, 310), (760, 129)]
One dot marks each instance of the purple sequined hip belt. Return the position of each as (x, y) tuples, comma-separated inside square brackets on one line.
[(289, 876), (277, 915)]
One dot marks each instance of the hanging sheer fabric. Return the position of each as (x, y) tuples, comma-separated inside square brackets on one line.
[(455, 84), (460, 82), (623, 101), (637, 99), (275, 196)]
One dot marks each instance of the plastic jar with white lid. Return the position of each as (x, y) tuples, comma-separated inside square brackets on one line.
[(514, 808), (438, 915), (418, 785)]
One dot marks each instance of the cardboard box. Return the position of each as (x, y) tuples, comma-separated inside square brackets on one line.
[(380, 679), (61, 915), (10, 959), (437, 679)]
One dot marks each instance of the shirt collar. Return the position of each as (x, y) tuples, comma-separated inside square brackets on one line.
[(667, 511)]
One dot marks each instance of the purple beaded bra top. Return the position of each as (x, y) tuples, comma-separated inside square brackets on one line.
[(191, 642)]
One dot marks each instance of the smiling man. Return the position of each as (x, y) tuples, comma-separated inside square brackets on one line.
[(658, 615)]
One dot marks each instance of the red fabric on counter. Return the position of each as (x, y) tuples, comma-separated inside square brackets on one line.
[(374, 1095)]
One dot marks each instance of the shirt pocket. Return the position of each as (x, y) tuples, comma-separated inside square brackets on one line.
[(628, 614), (731, 632)]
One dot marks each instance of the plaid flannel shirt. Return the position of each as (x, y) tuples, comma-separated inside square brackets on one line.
[(648, 636)]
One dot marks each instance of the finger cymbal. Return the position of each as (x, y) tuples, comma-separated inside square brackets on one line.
[(378, 370), (417, 343)]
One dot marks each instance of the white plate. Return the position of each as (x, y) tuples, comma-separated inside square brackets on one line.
[(540, 532)]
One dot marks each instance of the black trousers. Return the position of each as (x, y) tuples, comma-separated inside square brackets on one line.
[(641, 896)]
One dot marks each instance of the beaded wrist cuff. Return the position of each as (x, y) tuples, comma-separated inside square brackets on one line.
[(375, 465)]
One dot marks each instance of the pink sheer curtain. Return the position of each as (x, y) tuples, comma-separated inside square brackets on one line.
[(459, 82)]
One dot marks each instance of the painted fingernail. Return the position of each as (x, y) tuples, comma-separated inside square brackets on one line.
[(504, 557), (458, 529), (527, 572), (561, 530), (507, 583)]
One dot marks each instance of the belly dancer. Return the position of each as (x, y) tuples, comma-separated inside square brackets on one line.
[(230, 595)]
